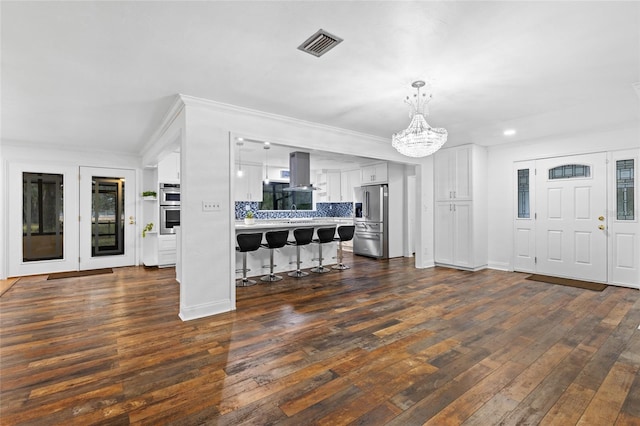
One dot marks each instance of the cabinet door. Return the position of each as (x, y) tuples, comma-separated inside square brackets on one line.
[(462, 234), (443, 238), (348, 181), (462, 177), (453, 174), (169, 169), (375, 173), (333, 187), (444, 170), (249, 186)]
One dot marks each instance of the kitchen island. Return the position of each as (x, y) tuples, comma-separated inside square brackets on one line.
[(285, 258)]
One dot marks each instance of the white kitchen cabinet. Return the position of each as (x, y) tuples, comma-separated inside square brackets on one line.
[(453, 173), (374, 173), (461, 207), (166, 250), (328, 182), (249, 185), (349, 179), (169, 168), (453, 234)]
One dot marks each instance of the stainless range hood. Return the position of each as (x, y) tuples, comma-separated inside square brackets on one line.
[(299, 172)]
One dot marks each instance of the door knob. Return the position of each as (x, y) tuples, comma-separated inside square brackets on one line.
[(601, 227), (600, 218)]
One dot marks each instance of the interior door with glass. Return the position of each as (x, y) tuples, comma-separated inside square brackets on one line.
[(107, 217), (571, 226)]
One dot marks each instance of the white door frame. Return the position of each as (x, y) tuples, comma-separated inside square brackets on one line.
[(87, 261), (623, 237), (571, 223), (69, 262)]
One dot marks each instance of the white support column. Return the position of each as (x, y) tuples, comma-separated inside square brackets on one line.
[(207, 286)]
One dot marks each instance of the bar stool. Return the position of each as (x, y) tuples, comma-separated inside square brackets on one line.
[(275, 240), (345, 233), (325, 235), (247, 243), (303, 237)]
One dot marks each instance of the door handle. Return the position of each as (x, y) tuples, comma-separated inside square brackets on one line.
[(601, 218), (601, 227)]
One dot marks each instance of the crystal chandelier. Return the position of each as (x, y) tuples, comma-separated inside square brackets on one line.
[(419, 139)]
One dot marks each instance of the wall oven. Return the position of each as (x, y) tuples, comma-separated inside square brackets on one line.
[(169, 194), (169, 207), (169, 219)]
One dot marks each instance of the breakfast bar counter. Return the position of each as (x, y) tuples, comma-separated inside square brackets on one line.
[(285, 257)]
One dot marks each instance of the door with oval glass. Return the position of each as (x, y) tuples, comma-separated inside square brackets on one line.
[(107, 217), (571, 225)]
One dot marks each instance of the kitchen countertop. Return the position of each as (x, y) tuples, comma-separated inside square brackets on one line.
[(315, 222)]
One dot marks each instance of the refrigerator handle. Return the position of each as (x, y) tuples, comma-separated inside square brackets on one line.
[(366, 204)]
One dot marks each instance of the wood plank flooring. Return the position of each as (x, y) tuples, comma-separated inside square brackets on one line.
[(381, 343)]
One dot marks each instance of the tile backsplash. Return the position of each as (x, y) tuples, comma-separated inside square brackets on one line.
[(322, 210)]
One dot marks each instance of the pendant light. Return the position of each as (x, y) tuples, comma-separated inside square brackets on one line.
[(240, 173), (266, 162)]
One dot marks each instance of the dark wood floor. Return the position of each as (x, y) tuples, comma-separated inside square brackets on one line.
[(382, 343)]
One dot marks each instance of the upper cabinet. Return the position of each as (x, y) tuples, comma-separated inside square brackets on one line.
[(328, 182), (248, 187), (169, 168), (374, 173), (453, 173), (349, 179)]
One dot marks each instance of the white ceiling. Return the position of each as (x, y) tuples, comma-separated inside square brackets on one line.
[(101, 75)]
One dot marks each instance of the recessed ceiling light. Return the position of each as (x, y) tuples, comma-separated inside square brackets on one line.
[(509, 132)]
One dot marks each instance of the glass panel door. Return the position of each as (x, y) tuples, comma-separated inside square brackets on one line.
[(107, 216), (42, 216)]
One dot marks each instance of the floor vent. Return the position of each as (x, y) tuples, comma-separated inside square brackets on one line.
[(320, 43)]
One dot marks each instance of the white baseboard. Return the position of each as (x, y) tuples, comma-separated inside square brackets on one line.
[(500, 266), (188, 313)]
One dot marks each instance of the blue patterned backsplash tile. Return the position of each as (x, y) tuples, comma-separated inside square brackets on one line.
[(322, 210)]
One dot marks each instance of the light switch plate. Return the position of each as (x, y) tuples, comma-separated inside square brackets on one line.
[(211, 206)]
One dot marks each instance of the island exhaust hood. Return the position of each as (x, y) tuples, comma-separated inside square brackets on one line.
[(299, 172)]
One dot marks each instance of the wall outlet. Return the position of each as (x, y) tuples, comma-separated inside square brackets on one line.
[(211, 206)]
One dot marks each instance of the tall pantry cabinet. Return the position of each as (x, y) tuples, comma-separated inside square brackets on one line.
[(461, 207)]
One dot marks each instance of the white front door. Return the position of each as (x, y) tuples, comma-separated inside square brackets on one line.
[(107, 217), (571, 208)]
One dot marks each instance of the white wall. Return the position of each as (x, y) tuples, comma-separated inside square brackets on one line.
[(501, 180), (424, 203), (397, 203)]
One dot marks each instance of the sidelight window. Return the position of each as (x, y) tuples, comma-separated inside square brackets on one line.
[(42, 216), (523, 194), (625, 202)]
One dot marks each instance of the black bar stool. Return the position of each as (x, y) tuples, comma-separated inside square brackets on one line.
[(275, 240), (325, 235), (247, 243), (303, 237), (345, 233)]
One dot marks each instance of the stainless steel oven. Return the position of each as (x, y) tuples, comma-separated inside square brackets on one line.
[(169, 219), (169, 194)]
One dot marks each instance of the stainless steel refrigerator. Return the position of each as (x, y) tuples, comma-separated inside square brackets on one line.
[(371, 236)]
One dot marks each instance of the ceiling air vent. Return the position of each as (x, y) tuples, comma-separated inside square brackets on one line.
[(320, 43)]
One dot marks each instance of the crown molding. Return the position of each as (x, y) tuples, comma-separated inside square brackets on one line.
[(192, 101)]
